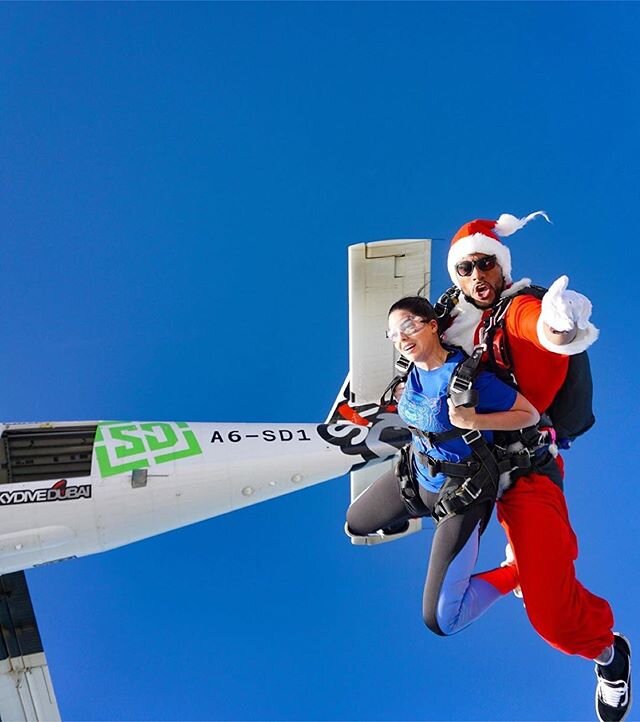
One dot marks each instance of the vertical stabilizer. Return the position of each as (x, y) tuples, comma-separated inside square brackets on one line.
[(379, 274)]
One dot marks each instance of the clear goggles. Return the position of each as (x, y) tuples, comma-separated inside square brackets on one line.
[(409, 327)]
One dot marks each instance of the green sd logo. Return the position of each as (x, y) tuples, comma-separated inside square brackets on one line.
[(122, 447)]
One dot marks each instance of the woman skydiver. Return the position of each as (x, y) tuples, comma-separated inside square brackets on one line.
[(440, 474)]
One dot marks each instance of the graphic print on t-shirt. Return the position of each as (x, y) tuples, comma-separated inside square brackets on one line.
[(422, 411)]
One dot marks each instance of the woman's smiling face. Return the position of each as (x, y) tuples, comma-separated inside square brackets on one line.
[(413, 337)]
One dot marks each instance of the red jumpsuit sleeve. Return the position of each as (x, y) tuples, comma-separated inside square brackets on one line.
[(539, 372), (522, 320)]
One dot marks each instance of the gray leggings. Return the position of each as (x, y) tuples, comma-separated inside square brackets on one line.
[(452, 598)]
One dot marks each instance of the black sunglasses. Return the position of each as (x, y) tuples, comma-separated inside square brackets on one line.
[(486, 263)]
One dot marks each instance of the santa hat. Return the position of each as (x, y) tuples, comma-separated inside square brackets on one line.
[(482, 236)]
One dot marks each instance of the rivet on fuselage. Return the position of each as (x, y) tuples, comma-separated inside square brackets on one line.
[(247, 491), (296, 478)]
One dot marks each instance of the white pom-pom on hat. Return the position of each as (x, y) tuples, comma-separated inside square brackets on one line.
[(483, 236), (507, 224)]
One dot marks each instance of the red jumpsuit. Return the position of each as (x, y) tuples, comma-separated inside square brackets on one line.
[(534, 514)]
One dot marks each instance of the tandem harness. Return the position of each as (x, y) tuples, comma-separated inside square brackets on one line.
[(475, 480)]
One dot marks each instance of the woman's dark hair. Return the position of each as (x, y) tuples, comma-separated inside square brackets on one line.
[(417, 305)]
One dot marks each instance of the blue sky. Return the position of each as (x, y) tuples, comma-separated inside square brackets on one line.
[(180, 183)]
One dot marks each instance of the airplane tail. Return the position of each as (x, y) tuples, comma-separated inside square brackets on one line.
[(379, 274)]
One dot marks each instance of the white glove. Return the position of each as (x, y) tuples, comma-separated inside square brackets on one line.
[(562, 309)]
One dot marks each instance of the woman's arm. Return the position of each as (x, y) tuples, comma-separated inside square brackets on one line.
[(519, 416)]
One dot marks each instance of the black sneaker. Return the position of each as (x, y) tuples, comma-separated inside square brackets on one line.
[(613, 696)]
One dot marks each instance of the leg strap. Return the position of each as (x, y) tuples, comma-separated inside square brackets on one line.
[(479, 488)]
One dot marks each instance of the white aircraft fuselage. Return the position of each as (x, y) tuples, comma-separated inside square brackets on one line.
[(77, 488)]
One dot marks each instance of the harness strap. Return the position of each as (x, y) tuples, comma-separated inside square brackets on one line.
[(432, 438), (444, 305), (439, 466), (481, 449), (509, 461), (534, 440), (408, 484), (461, 389), (403, 366), (480, 475), (457, 499)]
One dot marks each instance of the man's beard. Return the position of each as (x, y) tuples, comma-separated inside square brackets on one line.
[(483, 307)]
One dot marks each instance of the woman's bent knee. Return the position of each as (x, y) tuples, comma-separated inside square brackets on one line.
[(430, 620)]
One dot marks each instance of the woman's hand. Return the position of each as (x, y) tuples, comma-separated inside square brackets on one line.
[(461, 416)]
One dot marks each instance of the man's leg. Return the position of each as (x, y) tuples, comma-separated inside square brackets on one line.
[(568, 616), (503, 578)]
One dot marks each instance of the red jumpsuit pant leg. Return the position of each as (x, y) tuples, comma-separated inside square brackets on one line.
[(564, 613)]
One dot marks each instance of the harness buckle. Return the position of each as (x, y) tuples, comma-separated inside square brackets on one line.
[(459, 384), (471, 489), (403, 365), (433, 464), (406, 489), (443, 509), (471, 436)]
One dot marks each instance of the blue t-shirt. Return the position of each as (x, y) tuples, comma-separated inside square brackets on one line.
[(424, 405)]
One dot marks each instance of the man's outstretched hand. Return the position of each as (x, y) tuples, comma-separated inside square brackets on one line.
[(564, 310)]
